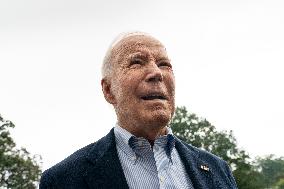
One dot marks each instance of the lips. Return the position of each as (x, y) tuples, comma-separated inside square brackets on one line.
[(154, 96)]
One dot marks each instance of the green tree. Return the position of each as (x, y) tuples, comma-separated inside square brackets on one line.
[(272, 169), (18, 169), (248, 177), (280, 184), (202, 134)]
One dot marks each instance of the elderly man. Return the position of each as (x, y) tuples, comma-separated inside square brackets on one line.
[(141, 151)]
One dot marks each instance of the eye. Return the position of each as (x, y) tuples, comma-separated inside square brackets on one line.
[(165, 64), (136, 62)]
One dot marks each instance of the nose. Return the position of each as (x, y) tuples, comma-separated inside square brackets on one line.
[(154, 74)]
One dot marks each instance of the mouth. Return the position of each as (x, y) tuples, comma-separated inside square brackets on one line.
[(154, 96)]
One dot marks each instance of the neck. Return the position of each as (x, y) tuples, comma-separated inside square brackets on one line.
[(149, 132)]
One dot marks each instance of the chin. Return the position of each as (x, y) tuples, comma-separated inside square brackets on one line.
[(158, 118)]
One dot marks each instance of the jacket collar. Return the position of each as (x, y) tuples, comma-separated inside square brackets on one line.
[(197, 168)]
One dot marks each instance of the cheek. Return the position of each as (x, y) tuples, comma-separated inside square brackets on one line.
[(126, 89), (170, 82)]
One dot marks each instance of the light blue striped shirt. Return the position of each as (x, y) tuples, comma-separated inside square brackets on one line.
[(150, 167)]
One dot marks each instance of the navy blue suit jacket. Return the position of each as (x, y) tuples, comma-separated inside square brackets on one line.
[(97, 166)]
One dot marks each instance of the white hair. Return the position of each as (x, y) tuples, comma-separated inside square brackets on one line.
[(107, 65)]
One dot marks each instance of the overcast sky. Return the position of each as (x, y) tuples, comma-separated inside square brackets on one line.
[(227, 57)]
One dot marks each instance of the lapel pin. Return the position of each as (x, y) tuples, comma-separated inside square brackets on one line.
[(204, 167)]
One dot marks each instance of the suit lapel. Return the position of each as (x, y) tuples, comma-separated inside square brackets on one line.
[(198, 170), (104, 170)]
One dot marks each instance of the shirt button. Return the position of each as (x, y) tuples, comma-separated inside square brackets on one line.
[(156, 148), (162, 179), (133, 158)]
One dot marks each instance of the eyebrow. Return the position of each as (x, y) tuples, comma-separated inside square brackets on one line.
[(164, 59), (139, 54), (145, 55)]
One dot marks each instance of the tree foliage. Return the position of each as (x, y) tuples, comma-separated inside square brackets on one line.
[(18, 169), (247, 177), (272, 169), (202, 134), (280, 184)]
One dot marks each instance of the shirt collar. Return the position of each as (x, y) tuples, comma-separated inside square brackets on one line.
[(132, 145)]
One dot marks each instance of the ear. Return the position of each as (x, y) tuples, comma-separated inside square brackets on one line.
[(106, 88)]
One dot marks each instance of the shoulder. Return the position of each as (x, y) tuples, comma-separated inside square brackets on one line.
[(200, 154), (72, 169), (67, 170), (200, 157)]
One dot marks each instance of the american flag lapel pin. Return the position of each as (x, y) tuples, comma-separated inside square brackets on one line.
[(204, 167)]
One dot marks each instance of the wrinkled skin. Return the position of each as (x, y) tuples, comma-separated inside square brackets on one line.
[(141, 68)]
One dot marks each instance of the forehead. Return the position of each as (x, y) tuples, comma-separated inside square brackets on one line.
[(140, 43)]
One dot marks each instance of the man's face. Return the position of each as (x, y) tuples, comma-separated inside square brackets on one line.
[(142, 82)]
